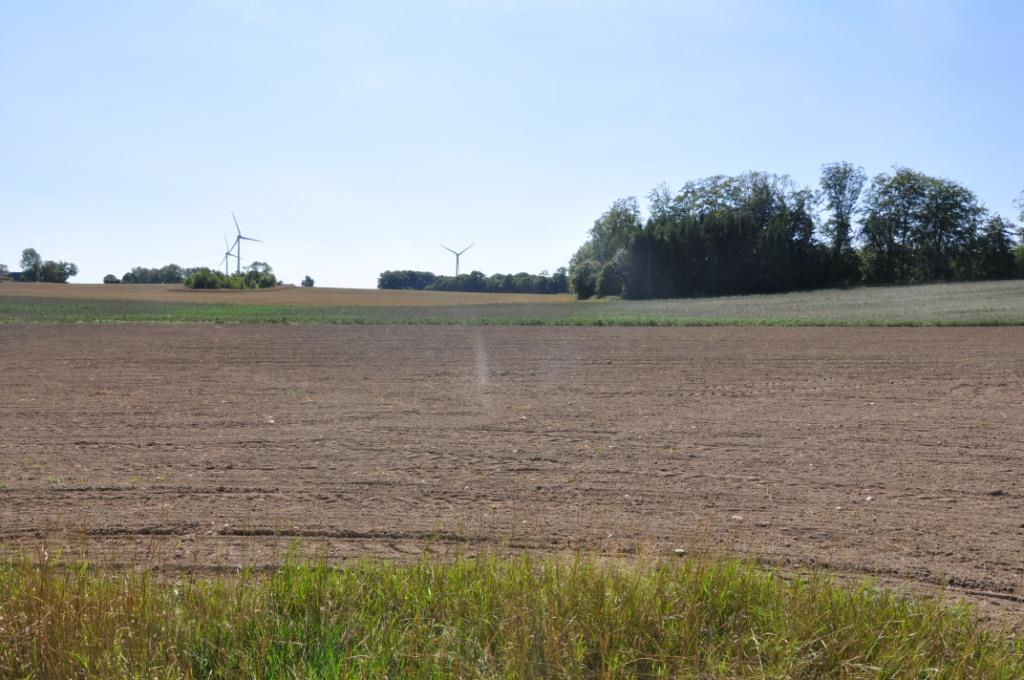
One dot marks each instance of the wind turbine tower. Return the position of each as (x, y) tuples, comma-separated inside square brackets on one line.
[(227, 257), (238, 245), (458, 255)]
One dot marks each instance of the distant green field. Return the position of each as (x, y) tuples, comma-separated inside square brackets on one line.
[(960, 304)]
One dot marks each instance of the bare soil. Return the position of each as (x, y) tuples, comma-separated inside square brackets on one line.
[(895, 452)]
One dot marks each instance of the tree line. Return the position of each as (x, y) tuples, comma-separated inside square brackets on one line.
[(35, 268), (760, 233), (256, 275), (170, 273), (476, 282)]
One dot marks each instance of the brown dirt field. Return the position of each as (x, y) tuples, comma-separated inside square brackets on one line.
[(283, 295), (895, 452)]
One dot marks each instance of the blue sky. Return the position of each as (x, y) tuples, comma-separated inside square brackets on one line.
[(358, 137)]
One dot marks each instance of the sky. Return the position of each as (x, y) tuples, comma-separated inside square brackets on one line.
[(355, 137)]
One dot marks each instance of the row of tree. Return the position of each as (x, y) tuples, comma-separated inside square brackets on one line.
[(760, 233), (256, 275), (35, 268), (476, 282), (170, 273)]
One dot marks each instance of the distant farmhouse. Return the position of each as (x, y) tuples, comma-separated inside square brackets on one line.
[(13, 276)]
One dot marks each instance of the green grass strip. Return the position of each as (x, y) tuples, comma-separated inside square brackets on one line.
[(489, 617)]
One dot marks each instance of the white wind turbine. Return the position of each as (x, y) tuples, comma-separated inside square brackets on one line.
[(458, 255), (238, 245)]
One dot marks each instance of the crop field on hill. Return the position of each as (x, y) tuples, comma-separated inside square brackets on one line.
[(965, 304), (284, 295), (891, 451)]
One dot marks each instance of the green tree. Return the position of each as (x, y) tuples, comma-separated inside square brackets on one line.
[(307, 282), (841, 186), (919, 228), (259, 275), (170, 273), (584, 279), (31, 265), (205, 278), (57, 272), (559, 281), (612, 231), (110, 278), (722, 235), (946, 231), (609, 281), (757, 233), (610, 238), (893, 203), (994, 254), (405, 280)]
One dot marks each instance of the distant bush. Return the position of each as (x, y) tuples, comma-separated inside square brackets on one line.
[(307, 282), (256, 275), (110, 278), (204, 277)]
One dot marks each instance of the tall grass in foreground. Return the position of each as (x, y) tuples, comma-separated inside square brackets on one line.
[(486, 617)]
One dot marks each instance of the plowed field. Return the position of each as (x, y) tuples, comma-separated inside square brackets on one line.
[(890, 451)]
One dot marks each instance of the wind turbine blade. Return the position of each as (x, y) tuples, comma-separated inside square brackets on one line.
[(467, 248), (246, 238), (237, 228), (450, 250)]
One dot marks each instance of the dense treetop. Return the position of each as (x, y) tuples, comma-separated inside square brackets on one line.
[(760, 233)]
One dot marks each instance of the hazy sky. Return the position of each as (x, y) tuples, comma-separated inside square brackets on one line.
[(355, 137)]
